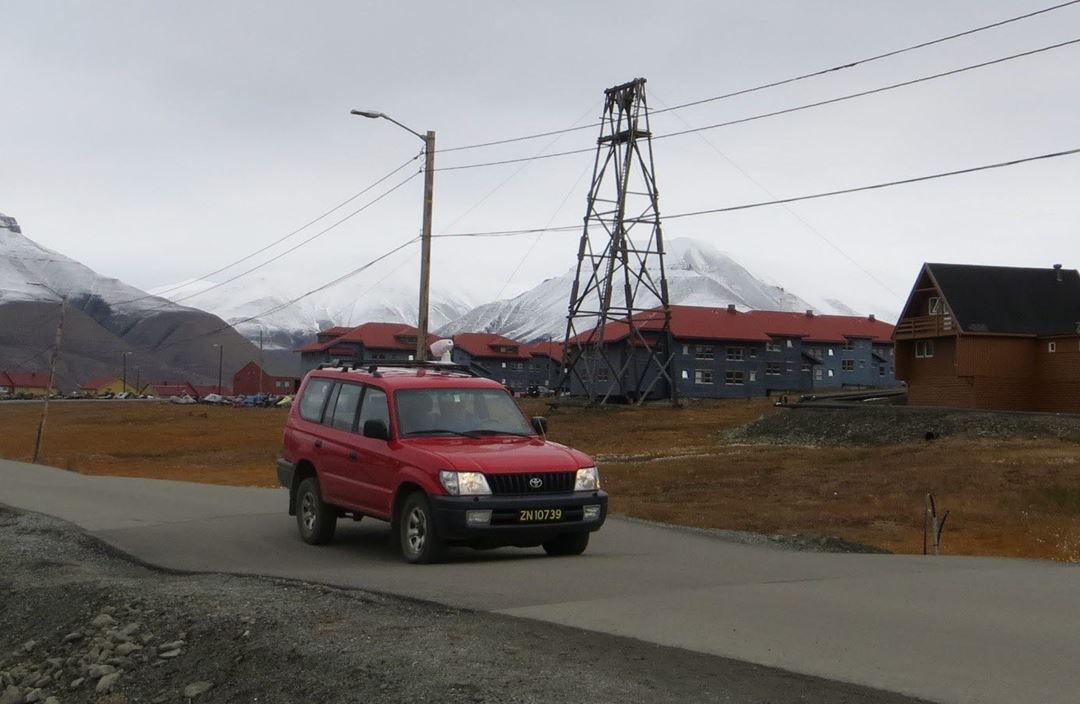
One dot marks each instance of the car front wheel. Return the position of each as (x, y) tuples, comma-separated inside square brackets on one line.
[(416, 531), (315, 519), (567, 544)]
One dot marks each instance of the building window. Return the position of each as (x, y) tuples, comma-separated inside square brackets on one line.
[(830, 373), (1051, 347), (703, 352), (847, 365), (881, 370), (790, 344), (772, 347), (753, 353), (601, 374), (686, 349), (937, 306), (805, 368), (753, 376), (733, 378), (735, 354), (818, 372), (830, 352), (702, 376), (772, 369), (924, 349), (848, 345), (504, 365), (862, 364), (685, 374)]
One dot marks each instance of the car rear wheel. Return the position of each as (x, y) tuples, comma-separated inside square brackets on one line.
[(567, 544), (416, 531), (315, 519)]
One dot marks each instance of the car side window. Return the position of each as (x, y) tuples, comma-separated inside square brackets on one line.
[(348, 401), (314, 399), (374, 408)]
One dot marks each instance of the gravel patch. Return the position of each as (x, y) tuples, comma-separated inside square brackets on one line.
[(81, 623), (887, 425)]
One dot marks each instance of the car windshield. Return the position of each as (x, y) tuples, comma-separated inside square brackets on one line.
[(469, 412)]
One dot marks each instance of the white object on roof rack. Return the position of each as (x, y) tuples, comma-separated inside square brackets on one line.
[(441, 349)]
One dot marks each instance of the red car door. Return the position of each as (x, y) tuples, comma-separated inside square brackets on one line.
[(339, 448), (378, 468)]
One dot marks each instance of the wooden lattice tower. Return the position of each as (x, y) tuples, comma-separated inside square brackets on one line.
[(618, 325)]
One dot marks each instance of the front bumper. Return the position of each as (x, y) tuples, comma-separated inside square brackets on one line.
[(505, 527)]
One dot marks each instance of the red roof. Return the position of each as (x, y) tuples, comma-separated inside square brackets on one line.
[(373, 336), (702, 323), (28, 380), (554, 350), (484, 344)]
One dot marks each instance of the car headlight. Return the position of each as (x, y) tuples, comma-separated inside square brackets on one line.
[(464, 483), (588, 479)]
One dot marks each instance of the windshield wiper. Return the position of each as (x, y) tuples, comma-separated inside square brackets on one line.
[(442, 431)]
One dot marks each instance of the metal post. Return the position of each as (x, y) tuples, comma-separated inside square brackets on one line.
[(138, 377), (425, 247), (52, 377), (123, 380), (262, 371), (220, 355)]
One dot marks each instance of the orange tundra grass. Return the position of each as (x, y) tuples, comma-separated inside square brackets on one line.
[(1015, 498)]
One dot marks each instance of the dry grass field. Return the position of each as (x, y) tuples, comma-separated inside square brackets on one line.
[(1006, 497)]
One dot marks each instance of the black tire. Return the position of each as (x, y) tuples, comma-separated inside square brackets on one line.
[(315, 519), (416, 531), (567, 544)]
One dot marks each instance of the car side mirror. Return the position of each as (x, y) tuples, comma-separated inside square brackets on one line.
[(539, 424), (376, 429)]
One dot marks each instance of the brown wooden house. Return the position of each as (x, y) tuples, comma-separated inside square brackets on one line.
[(992, 337)]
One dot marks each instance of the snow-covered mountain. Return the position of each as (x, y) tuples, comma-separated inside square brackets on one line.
[(697, 273), (106, 321), (368, 297)]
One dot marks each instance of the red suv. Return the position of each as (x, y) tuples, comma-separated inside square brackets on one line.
[(446, 457)]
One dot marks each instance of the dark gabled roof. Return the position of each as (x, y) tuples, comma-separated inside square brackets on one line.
[(1010, 300)]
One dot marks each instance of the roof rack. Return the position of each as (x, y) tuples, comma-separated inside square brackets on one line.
[(374, 367)]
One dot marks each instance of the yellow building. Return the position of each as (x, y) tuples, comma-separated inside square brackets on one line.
[(106, 385)]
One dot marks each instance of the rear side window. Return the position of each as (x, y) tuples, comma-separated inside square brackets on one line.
[(374, 408), (314, 399), (348, 401)]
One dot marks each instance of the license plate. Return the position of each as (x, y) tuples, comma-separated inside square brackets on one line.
[(539, 515)]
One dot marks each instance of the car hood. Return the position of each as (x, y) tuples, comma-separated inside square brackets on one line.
[(500, 455)]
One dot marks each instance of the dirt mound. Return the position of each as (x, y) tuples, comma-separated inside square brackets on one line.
[(888, 425)]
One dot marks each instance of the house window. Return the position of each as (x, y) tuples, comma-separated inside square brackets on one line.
[(601, 374), (830, 373), (805, 368), (685, 374), (686, 349), (753, 376), (734, 378), (735, 354), (1051, 347), (847, 365), (862, 364), (818, 373), (753, 353), (772, 347), (790, 344), (703, 352), (848, 345), (702, 376), (881, 370), (924, 349), (937, 306), (504, 365), (830, 352), (772, 369)]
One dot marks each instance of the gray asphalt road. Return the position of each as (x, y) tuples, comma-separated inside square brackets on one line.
[(946, 629)]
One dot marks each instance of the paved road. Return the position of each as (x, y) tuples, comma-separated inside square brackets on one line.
[(946, 629)]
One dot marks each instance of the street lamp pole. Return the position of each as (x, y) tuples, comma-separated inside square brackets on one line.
[(123, 381), (52, 372), (425, 233)]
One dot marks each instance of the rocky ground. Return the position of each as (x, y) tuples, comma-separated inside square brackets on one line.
[(81, 623), (887, 425)]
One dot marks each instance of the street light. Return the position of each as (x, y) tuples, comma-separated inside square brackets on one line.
[(124, 380), (221, 352), (52, 369), (425, 236)]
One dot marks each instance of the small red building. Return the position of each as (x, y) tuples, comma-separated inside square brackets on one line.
[(252, 379)]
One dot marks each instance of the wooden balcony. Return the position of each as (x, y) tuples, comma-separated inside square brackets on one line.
[(925, 326)]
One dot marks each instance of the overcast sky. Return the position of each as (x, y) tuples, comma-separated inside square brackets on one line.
[(156, 141)]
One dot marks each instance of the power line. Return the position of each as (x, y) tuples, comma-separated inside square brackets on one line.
[(297, 246), (793, 199), (872, 91), (785, 111), (331, 211), (286, 304), (784, 81)]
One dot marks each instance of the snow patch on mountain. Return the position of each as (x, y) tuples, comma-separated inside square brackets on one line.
[(697, 273)]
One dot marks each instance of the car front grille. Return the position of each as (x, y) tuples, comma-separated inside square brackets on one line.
[(526, 484)]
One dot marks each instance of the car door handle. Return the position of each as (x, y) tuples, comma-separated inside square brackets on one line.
[(353, 456), (318, 443)]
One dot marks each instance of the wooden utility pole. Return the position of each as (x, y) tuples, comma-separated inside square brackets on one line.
[(262, 369), (52, 379), (425, 248)]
